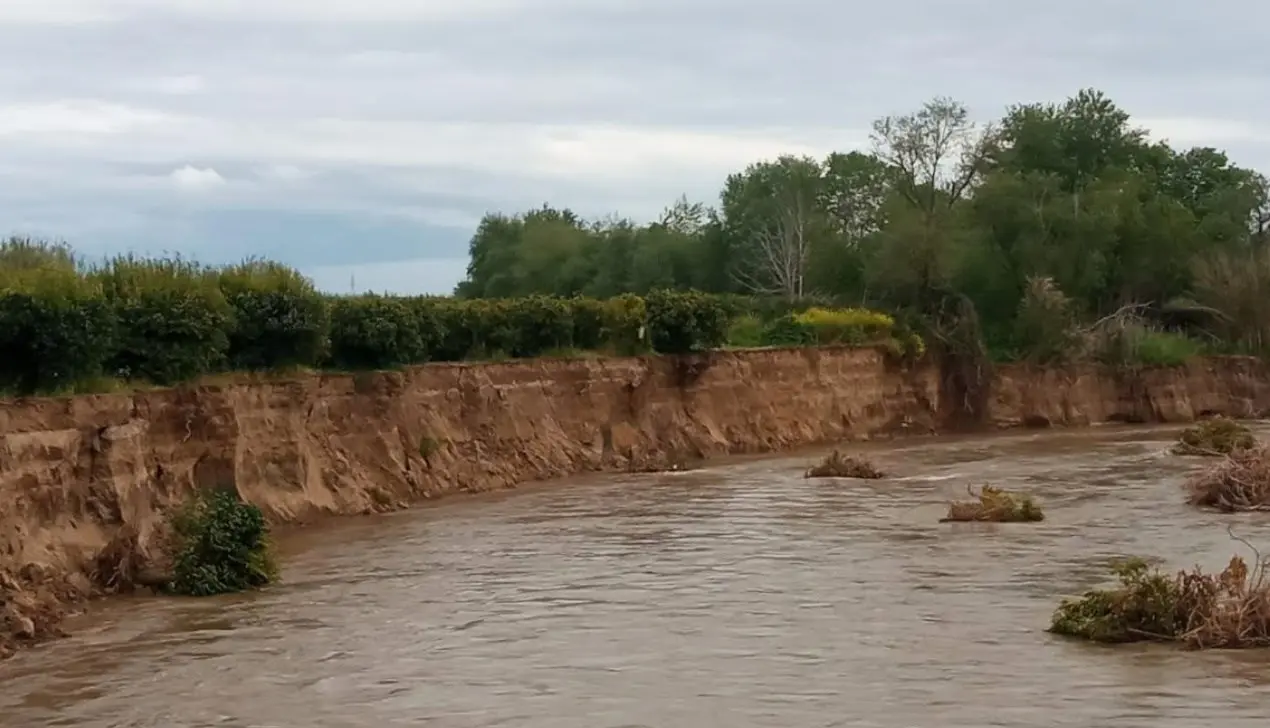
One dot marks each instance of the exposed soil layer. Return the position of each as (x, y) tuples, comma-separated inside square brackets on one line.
[(85, 482)]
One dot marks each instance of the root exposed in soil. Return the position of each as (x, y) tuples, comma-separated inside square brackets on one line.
[(837, 465), (122, 565), (1213, 438), (1228, 610), (1240, 482), (995, 505)]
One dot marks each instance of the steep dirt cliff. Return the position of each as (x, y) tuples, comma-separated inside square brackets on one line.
[(1233, 386), (86, 475)]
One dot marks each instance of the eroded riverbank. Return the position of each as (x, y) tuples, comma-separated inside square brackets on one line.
[(739, 593), (75, 472)]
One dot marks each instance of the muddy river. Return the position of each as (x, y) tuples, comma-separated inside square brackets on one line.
[(738, 595)]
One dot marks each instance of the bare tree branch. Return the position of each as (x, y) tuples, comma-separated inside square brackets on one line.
[(937, 152), (782, 252)]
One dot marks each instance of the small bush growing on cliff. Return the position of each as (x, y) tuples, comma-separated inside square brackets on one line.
[(995, 505), (1218, 436), (222, 546), (1240, 482), (1198, 610), (837, 465)]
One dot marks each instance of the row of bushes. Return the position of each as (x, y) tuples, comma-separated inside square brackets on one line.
[(66, 327)]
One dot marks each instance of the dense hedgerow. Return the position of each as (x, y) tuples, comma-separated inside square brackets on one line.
[(680, 322), (67, 327), (174, 321), (280, 319)]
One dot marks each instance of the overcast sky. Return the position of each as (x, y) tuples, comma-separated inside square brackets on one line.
[(363, 139)]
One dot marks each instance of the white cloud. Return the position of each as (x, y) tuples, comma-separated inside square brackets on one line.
[(196, 179), (285, 173), (1206, 132), (601, 153), (76, 117), (53, 11), (96, 11), (175, 85)]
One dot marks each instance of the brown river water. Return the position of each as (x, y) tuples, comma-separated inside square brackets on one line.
[(737, 595)]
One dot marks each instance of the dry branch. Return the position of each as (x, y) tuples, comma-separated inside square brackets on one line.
[(1240, 482), (995, 505)]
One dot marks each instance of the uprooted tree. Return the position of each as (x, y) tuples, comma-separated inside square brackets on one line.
[(838, 465), (1230, 609), (1214, 437), (1239, 482), (996, 505)]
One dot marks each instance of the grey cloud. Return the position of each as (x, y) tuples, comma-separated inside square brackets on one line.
[(810, 70)]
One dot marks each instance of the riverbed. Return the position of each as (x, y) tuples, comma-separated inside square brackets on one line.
[(739, 594)]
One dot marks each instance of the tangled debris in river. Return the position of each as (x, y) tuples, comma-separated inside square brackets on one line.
[(1240, 482), (1215, 437), (995, 505), (1201, 611), (837, 465)]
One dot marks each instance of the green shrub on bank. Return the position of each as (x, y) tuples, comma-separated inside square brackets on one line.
[(280, 319), (1162, 348), (376, 332), (788, 330), (174, 321), (221, 546), (838, 326), (57, 332), (1135, 343), (588, 323), (846, 325), (538, 324), (625, 324), (745, 332), (684, 321)]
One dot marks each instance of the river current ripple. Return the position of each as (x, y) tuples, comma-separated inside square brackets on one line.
[(739, 595)]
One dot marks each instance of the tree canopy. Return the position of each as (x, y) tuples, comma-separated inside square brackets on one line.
[(1072, 194)]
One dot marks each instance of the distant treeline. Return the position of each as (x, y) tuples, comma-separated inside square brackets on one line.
[(954, 225)]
